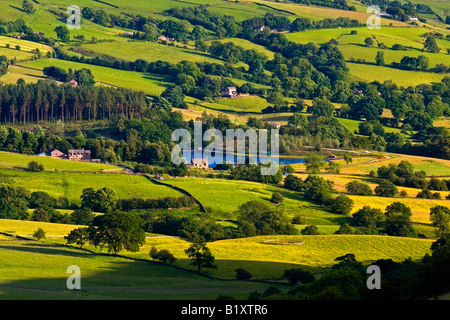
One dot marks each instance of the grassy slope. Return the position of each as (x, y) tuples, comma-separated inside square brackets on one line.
[(149, 83), (16, 160), (102, 277), (71, 185), (149, 51), (263, 260), (352, 46)]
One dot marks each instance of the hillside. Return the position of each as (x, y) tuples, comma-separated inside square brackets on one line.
[(363, 144)]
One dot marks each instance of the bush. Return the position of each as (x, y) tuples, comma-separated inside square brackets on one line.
[(270, 291), (294, 276), (310, 231), (34, 166), (298, 219), (386, 189), (277, 198), (242, 274), (358, 188), (39, 234)]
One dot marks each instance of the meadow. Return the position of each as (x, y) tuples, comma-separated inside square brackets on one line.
[(71, 185), (149, 83), (353, 47), (149, 51), (103, 277), (20, 161)]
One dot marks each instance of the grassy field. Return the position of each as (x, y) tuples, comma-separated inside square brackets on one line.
[(149, 83), (225, 196), (33, 270), (16, 160), (27, 228), (353, 47), (71, 185), (268, 261), (149, 51), (319, 13)]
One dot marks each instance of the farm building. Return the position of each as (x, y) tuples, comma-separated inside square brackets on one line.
[(199, 164), (229, 92), (80, 155), (55, 153), (73, 83)]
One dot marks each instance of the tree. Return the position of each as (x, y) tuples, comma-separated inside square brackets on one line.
[(314, 163), (174, 95), (82, 216), (358, 188), (440, 219), (13, 203), (242, 274), (347, 158), (310, 230), (379, 59), (28, 7), (34, 166), (386, 189), (63, 33), (369, 41), (322, 108), (117, 231), (39, 234), (398, 222), (318, 189), (78, 236), (431, 45), (294, 276), (85, 77), (342, 205), (368, 218), (200, 255), (165, 256), (41, 215), (298, 119)]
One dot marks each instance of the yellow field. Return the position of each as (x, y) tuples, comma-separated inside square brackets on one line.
[(266, 260), (27, 228)]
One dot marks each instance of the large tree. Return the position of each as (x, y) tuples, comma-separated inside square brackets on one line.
[(63, 33), (200, 255), (117, 231)]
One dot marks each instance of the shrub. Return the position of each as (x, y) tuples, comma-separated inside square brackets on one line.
[(34, 166), (386, 189), (39, 234), (298, 219), (270, 291), (310, 230), (242, 274), (358, 188), (294, 276), (277, 198)]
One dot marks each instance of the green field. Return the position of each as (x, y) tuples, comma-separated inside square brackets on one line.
[(353, 47), (225, 196), (16, 160), (149, 51), (71, 185), (149, 83), (33, 270), (268, 261)]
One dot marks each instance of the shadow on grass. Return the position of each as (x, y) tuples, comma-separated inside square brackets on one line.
[(111, 277)]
